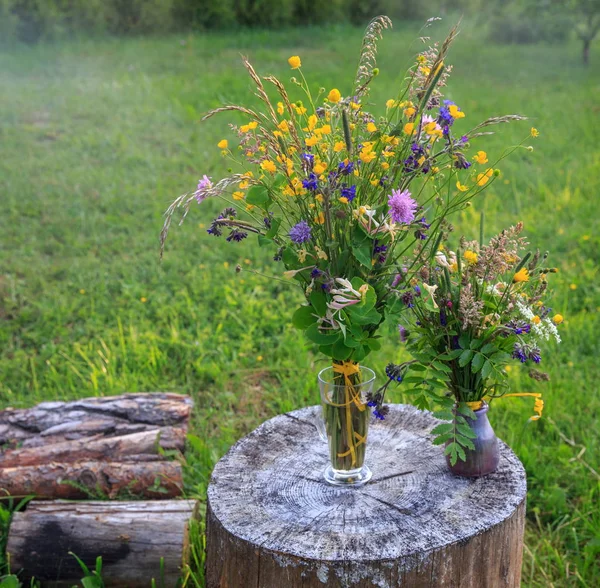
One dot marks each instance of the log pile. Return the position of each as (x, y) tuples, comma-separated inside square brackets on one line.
[(109, 446), (131, 537)]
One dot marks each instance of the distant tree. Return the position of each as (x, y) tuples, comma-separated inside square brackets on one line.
[(587, 23)]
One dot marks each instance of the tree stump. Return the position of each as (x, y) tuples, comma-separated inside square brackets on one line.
[(131, 538), (106, 446), (272, 521)]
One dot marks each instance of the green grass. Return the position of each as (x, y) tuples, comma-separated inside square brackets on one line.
[(97, 137)]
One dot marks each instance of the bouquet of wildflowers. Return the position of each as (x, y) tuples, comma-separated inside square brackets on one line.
[(471, 312), (342, 196)]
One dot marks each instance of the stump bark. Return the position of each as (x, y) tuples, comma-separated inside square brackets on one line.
[(108, 446), (131, 538), (273, 521)]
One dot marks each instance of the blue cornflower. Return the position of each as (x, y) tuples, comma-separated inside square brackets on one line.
[(520, 352), (535, 355), (443, 318), (518, 327), (346, 168), (309, 158), (315, 273), (408, 298), (349, 192), (417, 291), (236, 235), (311, 183), (300, 233), (377, 414)]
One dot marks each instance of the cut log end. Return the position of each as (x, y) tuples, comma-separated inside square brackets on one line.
[(414, 524)]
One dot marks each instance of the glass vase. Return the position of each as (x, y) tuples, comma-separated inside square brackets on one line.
[(485, 457), (344, 388)]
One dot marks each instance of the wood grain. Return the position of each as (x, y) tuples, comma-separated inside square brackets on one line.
[(131, 537), (273, 521)]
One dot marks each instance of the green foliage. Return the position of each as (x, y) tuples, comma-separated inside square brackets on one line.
[(98, 136)]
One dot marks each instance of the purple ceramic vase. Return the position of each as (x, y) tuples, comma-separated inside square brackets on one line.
[(484, 458)]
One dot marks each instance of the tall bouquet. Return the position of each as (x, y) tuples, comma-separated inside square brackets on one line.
[(472, 312), (343, 197)]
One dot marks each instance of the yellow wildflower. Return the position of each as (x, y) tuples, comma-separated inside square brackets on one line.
[(425, 70), (354, 106), (320, 218), (284, 126), (371, 127), (319, 197), (573, 286), (300, 110), (385, 165), (334, 96), (536, 320), (483, 179), (409, 128), (455, 112), (320, 253), (223, 144), (481, 157), (302, 253), (343, 200), (390, 103), (294, 62), (280, 108), (557, 319), (339, 145), (319, 168), (268, 165), (410, 111), (312, 140), (243, 185), (312, 122), (250, 207), (534, 132), (238, 195), (367, 156), (462, 187), (521, 276), (471, 256)]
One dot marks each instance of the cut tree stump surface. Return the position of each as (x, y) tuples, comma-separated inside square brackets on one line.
[(131, 538), (110, 445), (272, 520)]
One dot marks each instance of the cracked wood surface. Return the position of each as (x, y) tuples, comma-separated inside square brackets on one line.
[(131, 537), (273, 521)]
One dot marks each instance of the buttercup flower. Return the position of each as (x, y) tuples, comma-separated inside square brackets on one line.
[(521, 276), (222, 144), (481, 157), (294, 62), (334, 96), (557, 319)]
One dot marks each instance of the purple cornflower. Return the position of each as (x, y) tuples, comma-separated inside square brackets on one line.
[(300, 233), (402, 207), (534, 355), (346, 168), (397, 279), (518, 327), (311, 183), (417, 290), (236, 235), (203, 185), (520, 352), (378, 414), (403, 334), (309, 158), (349, 192), (420, 232), (315, 273), (379, 249), (408, 298)]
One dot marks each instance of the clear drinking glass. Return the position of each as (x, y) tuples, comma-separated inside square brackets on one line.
[(346, 420)]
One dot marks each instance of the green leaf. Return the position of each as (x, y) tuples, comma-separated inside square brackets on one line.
[(442, 429), (272, 232), (464, 341), (280, 180), (374, 344), (486, 370), (304, 317), (341, 350), (264, 241), (477, 362), (319, 338), (319, 301), (413, 380), (444, 415), (290, 258), (362, 253), (258, 195), (371, 318), (475, 344), (487, 348), (466, 431), (443, 439), (451, 355), (417, 367), (465, 357)]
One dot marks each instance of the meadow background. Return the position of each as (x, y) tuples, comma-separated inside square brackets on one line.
[(99, 134)]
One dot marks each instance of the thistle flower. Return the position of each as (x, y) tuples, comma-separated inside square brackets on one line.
[(402, 207), (300, 233)]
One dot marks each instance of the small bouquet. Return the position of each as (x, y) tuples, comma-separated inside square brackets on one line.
[(471, 312), (341, 195)]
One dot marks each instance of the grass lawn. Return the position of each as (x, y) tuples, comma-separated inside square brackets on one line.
[(97, 137)]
